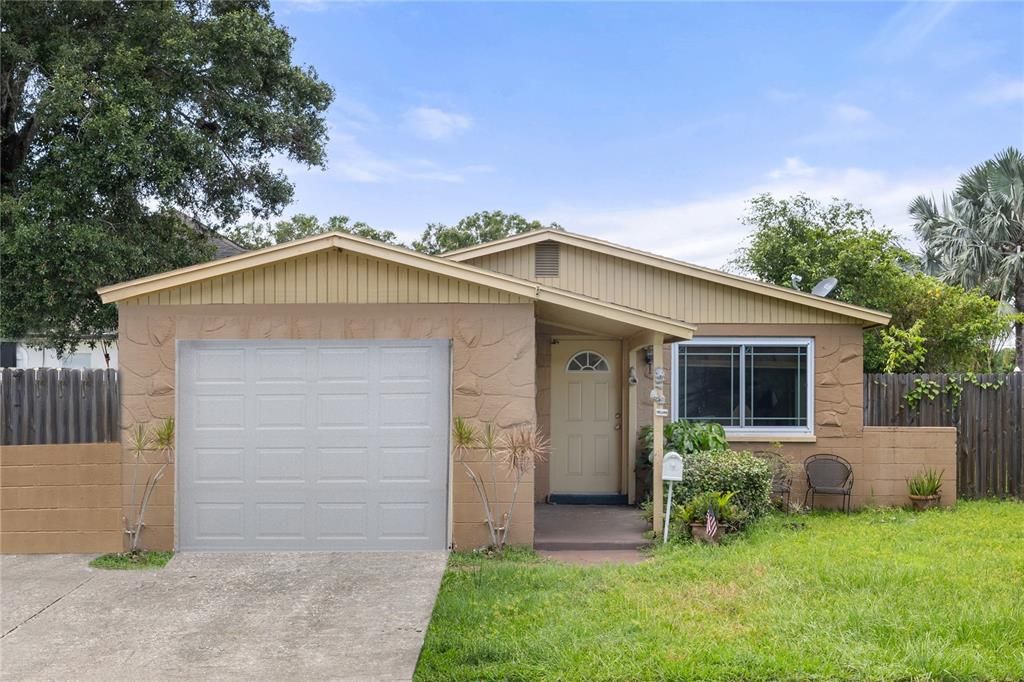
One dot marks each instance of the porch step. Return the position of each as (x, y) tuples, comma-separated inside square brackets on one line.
[(585, 546), (577, 527), (586, 498)]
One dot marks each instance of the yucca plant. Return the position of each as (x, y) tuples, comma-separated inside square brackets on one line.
[(142, 440), (928, 483), (522, 448), (517, 451)]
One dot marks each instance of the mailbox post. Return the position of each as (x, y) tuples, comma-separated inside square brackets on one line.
[(671, 471)]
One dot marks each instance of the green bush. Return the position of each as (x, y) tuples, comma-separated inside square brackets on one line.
[(685, 437), (737, 472)]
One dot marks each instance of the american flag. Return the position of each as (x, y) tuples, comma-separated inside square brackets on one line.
[(711, 523)]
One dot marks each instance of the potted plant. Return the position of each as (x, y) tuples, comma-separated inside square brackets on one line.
[(695, 515), (925, 489)]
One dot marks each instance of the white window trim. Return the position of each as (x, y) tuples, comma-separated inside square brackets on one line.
[(762, 431)]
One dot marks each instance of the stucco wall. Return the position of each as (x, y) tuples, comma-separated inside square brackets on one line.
[(883, 458), (838, 395), (493, 367), (60, 498), (542, 486)]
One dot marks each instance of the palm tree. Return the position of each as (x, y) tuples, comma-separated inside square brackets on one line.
[(976, 239)]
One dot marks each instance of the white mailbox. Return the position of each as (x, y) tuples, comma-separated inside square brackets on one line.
[(672, 467)]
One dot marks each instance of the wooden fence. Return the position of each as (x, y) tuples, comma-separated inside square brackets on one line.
[(44, 406), (987, 411)]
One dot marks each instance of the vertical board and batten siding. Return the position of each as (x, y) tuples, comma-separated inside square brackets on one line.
[(656, 290), (988, 416), (329, 276), (53, 406)]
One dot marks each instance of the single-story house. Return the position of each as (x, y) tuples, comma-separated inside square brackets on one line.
[(314, 382)]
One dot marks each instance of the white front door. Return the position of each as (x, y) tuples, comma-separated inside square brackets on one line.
[(586, 416)]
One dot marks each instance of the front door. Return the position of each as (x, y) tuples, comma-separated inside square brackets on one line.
[(586, 416)]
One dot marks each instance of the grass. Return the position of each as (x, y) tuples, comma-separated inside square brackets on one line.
[(877, 595), (132, 560)]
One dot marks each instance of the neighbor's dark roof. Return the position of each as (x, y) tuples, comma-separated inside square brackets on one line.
[(224, 246)]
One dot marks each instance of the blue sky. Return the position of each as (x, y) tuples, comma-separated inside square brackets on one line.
[(652, 124)]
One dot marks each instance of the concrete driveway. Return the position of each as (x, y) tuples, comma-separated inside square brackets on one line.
[(218, 616)]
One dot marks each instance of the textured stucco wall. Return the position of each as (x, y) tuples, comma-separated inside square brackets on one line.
[(493, 368), (60, 498), (892, 454), (838, 396), (542, 486)]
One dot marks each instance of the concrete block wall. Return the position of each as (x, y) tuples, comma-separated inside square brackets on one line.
[(58, 499), (892, 454)]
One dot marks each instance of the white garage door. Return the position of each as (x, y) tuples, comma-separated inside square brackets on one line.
[(313, 445)]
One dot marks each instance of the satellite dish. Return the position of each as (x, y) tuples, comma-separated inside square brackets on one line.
[(825, 286)]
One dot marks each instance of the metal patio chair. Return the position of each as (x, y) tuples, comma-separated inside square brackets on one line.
[(828, 475), (782, 479)]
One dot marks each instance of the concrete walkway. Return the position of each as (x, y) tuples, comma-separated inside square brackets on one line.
[(589, 534), (218, 616)]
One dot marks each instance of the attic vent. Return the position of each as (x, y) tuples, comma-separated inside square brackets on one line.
[(545, 262)]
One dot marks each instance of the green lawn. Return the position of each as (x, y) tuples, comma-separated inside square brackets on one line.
[(878, 595)]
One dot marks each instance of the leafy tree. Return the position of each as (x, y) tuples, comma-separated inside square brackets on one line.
[(479, 228), (300, 226), (961, 328), (958, 328), (977, 238), (801, 236), (112, 116)]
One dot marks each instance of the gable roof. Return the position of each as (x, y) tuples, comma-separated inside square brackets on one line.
[(867, 315), (449, 268)]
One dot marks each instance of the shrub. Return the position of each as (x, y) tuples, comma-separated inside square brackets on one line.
[(737, 472), (686, 437)]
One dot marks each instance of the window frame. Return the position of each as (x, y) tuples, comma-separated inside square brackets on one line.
[(741, 341), (602, 358)]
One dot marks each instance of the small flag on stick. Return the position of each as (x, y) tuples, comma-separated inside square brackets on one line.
[(711, 523)]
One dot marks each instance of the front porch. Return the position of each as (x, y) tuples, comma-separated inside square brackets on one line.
[(590, 375)]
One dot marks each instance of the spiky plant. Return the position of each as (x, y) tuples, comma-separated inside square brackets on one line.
[(465, 439), (160, 439), (926, 484), (522, 448), (140, 440)]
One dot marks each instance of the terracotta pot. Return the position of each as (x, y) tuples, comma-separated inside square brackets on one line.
[(922, 502), (699, 533)]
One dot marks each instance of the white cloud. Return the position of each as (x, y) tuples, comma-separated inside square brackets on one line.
[(849, 113), (350, 160), (792, 167), (907, 29), (1006, 91), (845, 122), (435, 124), (708, 231)]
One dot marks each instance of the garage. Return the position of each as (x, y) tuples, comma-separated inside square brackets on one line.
[(313, 445)]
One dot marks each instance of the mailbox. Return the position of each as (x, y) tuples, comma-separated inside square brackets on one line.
[(672, 467)]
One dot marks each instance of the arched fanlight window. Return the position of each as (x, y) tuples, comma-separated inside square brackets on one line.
[(587, 361)]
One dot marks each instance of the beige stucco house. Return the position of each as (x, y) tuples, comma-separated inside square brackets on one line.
[(314, 382)]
